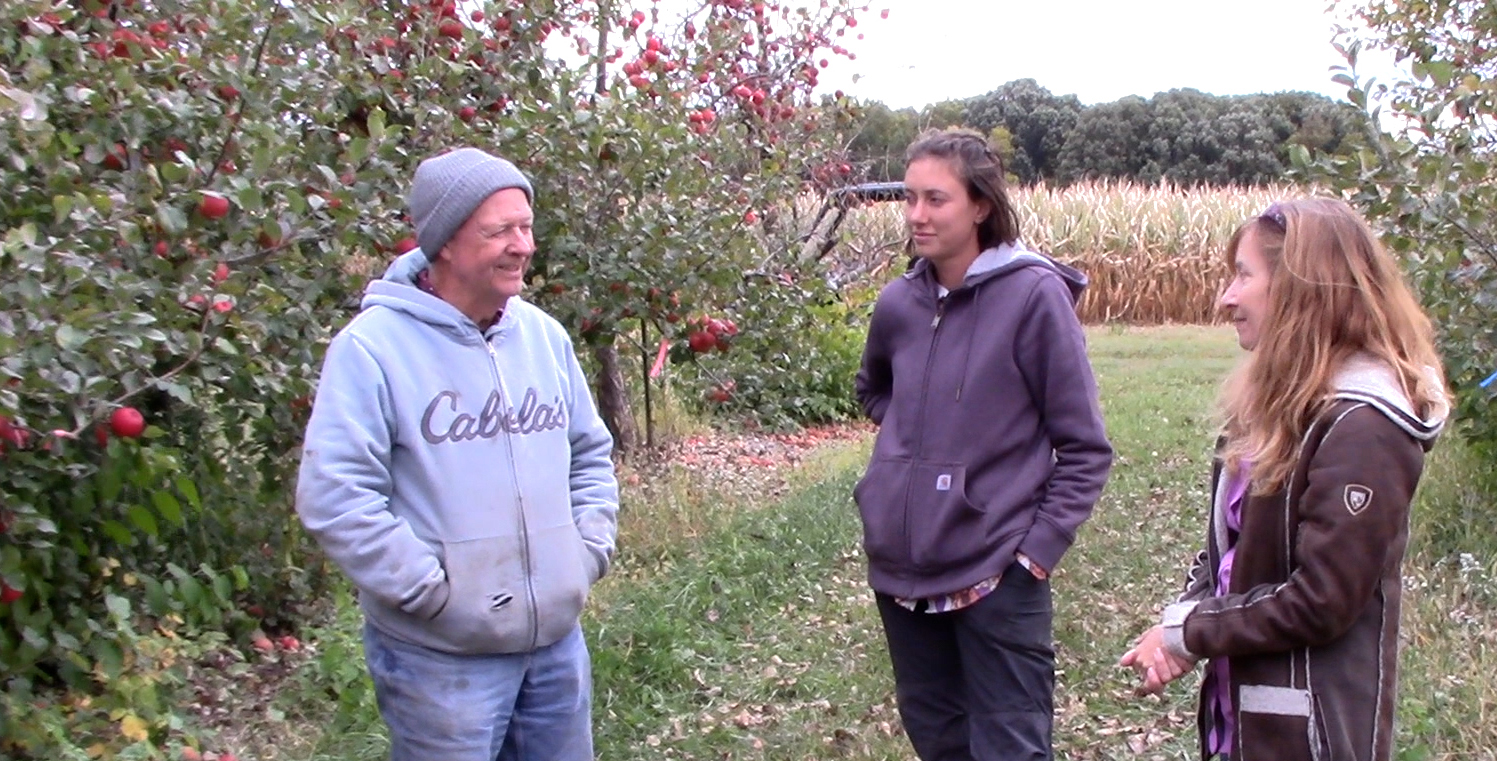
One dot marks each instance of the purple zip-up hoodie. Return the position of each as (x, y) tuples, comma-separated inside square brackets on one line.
[(991, 440)]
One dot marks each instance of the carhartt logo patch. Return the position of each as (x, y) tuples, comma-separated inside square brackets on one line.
[(943, 482), (1357, 498)]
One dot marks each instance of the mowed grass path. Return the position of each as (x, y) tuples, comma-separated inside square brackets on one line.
[(761, 642), (740, 627)]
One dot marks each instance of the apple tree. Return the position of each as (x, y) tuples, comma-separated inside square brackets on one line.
[(197, 192), (1426, 175)]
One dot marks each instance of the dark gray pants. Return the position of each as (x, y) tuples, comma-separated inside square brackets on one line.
[(977, 684)]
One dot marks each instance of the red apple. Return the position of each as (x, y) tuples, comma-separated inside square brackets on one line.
[(701, 341), (9, 594), (9, 434), (451, 29), (220, 273), (466, 113), (213, 205), (116, 157), (405, 244), (127, 422)]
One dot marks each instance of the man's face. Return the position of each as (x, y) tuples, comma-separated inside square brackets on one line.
[(489, 253)]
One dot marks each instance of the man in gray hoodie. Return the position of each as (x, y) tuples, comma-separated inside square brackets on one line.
[(456, 469)]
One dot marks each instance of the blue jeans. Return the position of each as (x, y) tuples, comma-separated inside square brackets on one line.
[(534, 706)]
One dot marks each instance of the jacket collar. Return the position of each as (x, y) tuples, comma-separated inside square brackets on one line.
[(1367, 379)]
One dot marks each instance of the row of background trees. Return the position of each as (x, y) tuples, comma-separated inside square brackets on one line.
[(1182, 136)]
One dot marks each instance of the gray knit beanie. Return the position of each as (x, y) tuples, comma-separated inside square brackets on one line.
[(449, 187)]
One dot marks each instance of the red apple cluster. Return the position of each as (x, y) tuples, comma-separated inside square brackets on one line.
[(124, 422), (708, 333)]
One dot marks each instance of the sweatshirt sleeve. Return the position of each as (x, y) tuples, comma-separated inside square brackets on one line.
[(344, 485), (594, 486), (874, 383), (1353, 517), (1050, 351)]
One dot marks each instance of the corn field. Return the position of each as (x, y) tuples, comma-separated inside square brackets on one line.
[(1154, 253)]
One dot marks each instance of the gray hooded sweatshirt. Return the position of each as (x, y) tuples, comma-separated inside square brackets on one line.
[(461, 477)]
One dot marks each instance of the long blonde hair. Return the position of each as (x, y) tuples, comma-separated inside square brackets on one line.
[(1333, 292)]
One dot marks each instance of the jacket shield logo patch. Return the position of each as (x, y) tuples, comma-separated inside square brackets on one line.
[(1357, 498)]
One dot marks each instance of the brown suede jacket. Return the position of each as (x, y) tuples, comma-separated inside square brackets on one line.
[(1310, 621)]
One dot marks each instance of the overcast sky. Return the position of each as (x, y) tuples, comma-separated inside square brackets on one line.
[(1098, 50)]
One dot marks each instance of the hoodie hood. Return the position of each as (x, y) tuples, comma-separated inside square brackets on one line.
[(397, 290), (1005, 258), (406, 267), (1367, 379)]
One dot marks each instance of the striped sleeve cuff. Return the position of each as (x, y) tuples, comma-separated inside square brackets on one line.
[(1173, 625)]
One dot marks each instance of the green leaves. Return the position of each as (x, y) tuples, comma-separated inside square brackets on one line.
[(1430, 188)]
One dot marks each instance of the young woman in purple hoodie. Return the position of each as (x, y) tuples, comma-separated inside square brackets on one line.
[(990, 454)]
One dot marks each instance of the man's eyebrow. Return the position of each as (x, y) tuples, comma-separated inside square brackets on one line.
[(509, 223)]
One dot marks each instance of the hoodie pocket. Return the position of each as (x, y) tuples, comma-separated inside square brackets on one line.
[(564, 569), (880, 499), (916, 513), (487, 609), (946, 529)]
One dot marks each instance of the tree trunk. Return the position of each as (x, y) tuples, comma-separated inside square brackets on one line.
[(613, 399)]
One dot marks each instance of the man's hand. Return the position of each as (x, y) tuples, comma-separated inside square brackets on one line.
[(1153, 663)]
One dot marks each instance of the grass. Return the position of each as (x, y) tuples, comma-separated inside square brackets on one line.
[(744, 629)]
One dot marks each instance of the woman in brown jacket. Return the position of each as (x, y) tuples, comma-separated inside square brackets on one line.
[(1295, 600)]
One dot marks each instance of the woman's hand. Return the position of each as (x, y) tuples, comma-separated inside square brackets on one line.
[(1153, 663)]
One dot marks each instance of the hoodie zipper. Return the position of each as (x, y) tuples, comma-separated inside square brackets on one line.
[(514, 476), (909, 485)]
